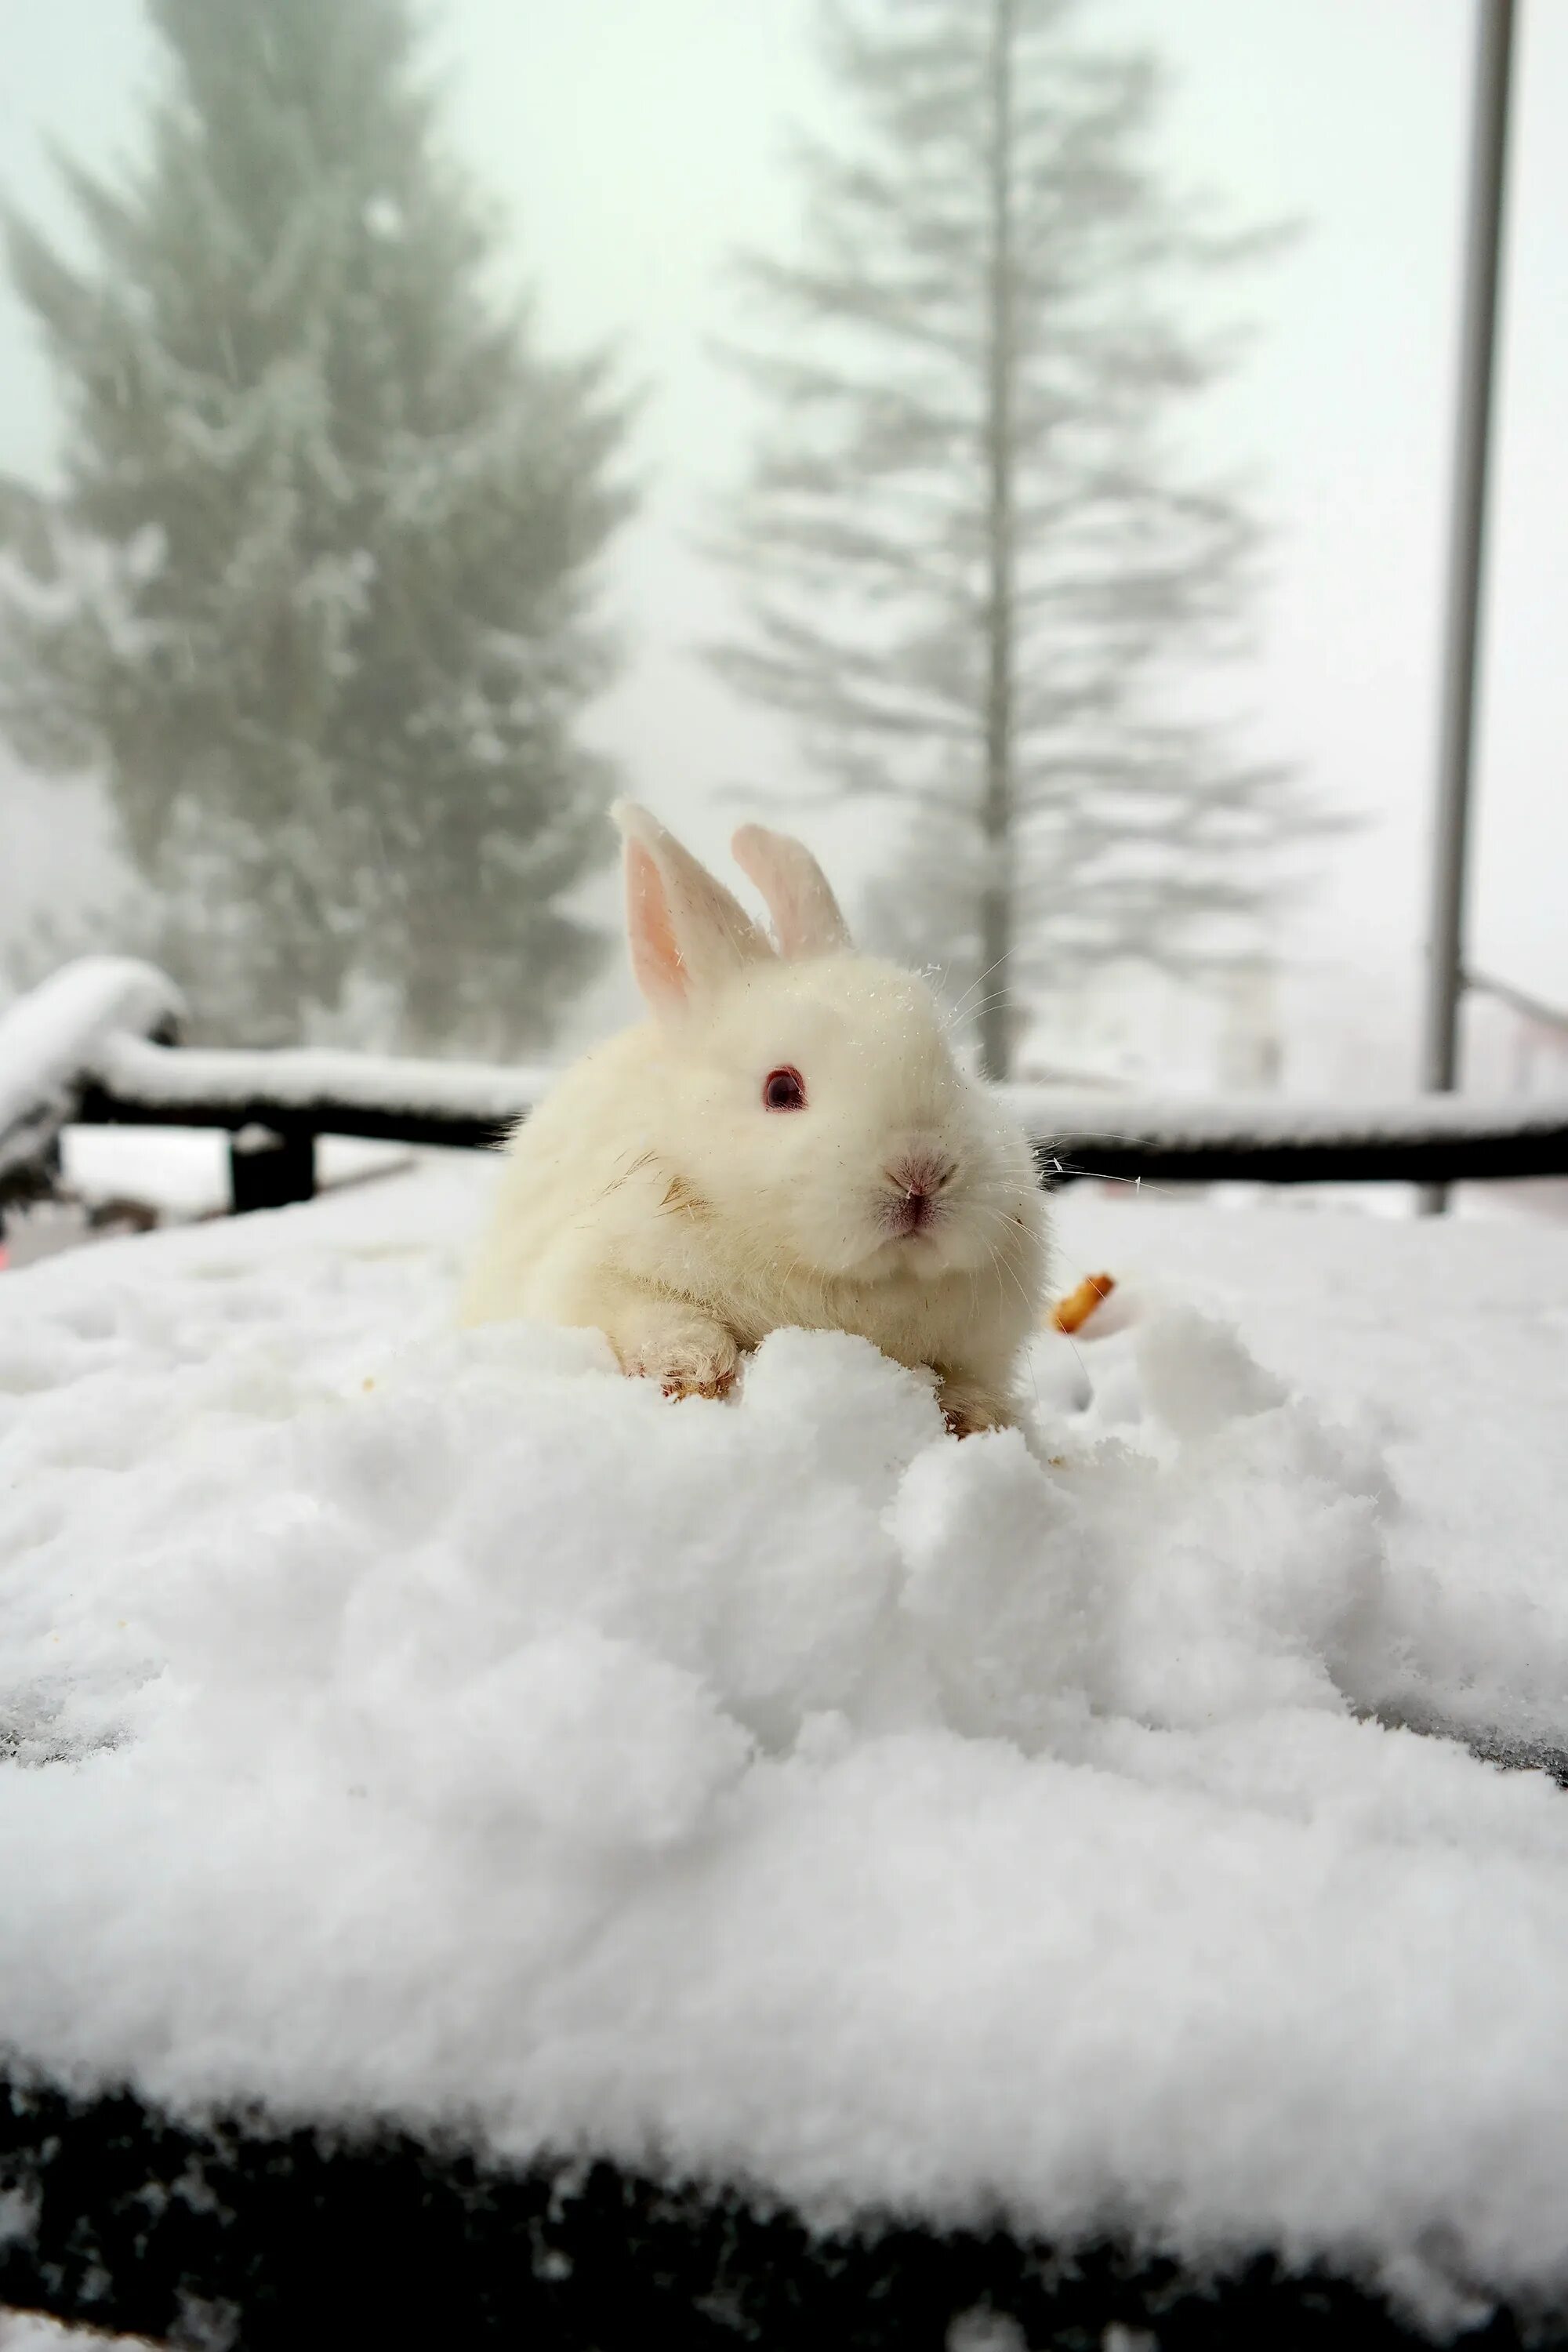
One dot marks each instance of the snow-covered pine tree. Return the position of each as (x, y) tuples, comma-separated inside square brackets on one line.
[(316, 594), (974, 569)]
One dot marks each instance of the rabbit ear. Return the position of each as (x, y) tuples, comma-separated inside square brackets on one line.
[(807, 916), (687, 933)]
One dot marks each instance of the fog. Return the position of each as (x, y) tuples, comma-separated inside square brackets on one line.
[(632, 149)]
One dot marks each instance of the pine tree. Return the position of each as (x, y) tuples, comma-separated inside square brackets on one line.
[(317, 595), (974, 569)]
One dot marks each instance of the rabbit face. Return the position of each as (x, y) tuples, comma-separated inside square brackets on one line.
[(809, 1099), (817, 1107)]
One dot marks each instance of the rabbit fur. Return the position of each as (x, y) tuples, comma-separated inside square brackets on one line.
[(786, 1139)]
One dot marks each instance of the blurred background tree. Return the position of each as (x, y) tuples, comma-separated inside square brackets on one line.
[(973, 566), (317, 596)]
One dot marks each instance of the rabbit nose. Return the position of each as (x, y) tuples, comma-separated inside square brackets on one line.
[(919, 1175)]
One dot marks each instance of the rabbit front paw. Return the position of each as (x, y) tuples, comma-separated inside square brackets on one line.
[(696, 1360), (967, 1409)]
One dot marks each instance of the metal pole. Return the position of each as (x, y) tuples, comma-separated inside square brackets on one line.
[(1467, 549)]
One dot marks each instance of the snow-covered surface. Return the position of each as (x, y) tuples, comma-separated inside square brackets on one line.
[(171, 1077), (780, 1789), (1172, 1119), (49, 1037)]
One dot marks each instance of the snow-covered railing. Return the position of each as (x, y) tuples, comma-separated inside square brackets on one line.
[(295, 1097), (83, 1047), (275, 1104), (320, 1091), (50, 1038), (1269, 1139)]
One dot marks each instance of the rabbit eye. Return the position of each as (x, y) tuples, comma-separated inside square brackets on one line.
[(783, 1090)]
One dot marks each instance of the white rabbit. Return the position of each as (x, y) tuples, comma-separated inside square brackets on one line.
[(787, 1140)]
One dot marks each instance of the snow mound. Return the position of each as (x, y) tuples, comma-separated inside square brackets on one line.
[(440, 1724)]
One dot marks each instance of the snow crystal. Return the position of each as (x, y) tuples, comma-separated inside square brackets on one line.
[(436, 1725)]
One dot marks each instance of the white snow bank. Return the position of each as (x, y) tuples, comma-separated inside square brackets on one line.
[(780, 1791)]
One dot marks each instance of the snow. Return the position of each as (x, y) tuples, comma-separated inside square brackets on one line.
[(183, 1171), (30, 2331), (441, 1726), (1191, 1119), (237, 1077), (49, 1038)]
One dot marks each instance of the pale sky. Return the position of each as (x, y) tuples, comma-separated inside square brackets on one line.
[(633, 142)]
